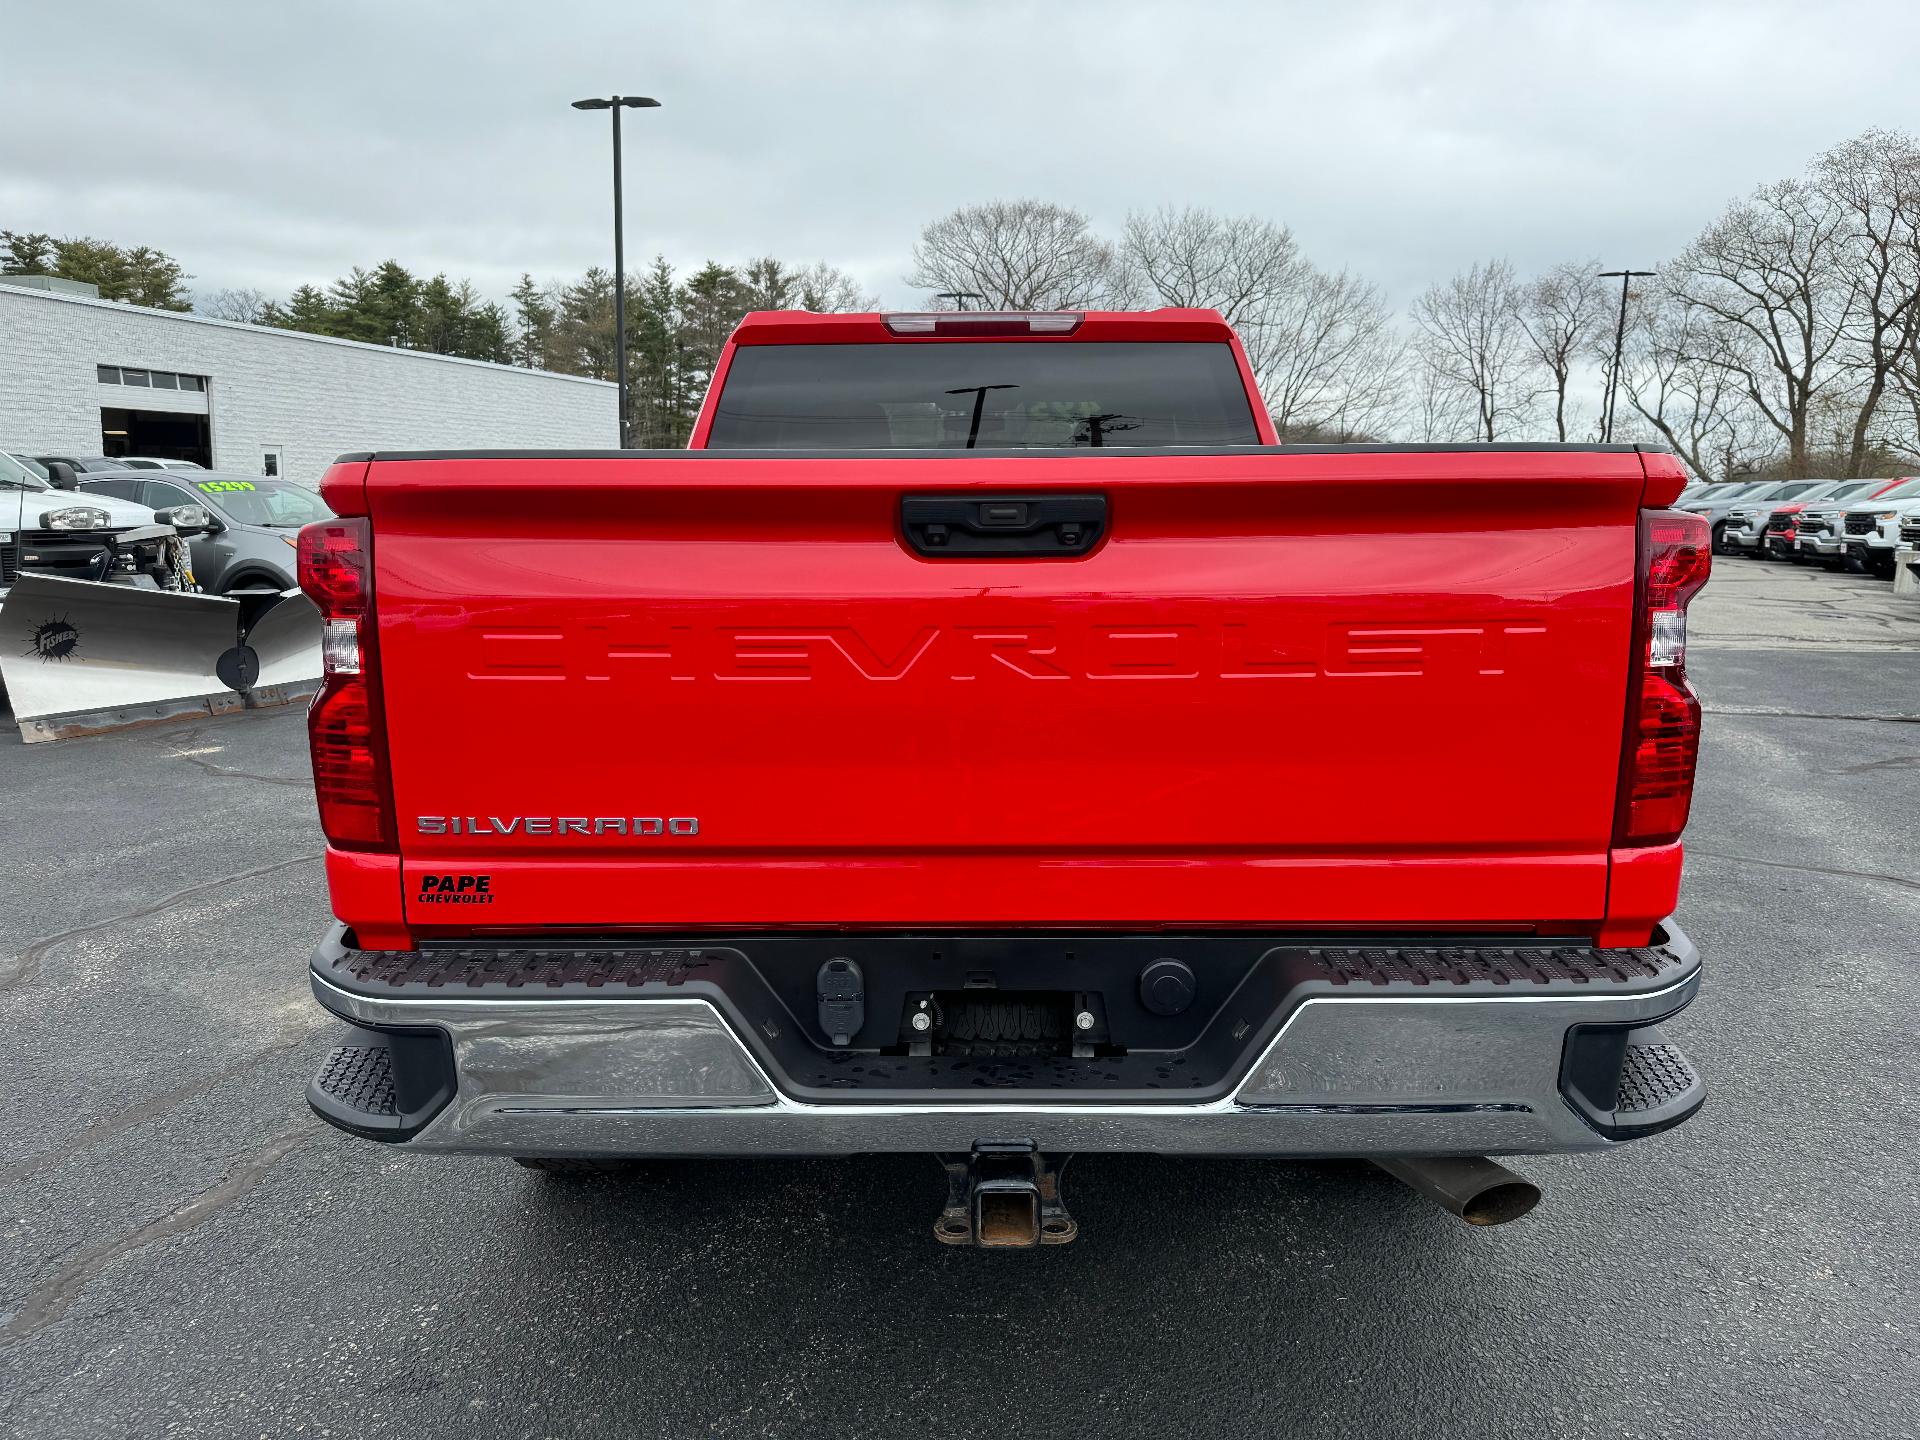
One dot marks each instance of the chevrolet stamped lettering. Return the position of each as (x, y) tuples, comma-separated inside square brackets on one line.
[(556, 825), (1227, 651)]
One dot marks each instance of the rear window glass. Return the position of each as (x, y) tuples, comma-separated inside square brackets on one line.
[(957, 395)]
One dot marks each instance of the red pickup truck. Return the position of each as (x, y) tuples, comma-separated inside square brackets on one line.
[(985, 740)]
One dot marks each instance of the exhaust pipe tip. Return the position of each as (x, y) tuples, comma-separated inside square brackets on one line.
[(1500, 1203), (1475, 1188)]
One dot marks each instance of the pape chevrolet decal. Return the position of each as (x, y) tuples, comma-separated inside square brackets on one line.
[(456, 890)]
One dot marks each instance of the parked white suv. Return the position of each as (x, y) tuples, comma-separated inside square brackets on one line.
[(1872, 530), (1821, 535), (1745, 528)]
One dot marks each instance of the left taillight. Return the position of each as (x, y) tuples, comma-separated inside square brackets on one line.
[(351, 779), (1662, 742)]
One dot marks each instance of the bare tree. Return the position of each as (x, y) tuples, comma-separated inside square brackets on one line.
[(1560, 312), (246, 305), (1436, 411), (1905, 441), (1019, 255), (1236, 264), (1321, 346), (768, 283), (1873, 183), (1474, 343), (1768, 279), (1332, 364), (1686, 395), (828, 289), (771, 284)]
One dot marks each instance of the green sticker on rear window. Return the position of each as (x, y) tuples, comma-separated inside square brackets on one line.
[(214, 487)]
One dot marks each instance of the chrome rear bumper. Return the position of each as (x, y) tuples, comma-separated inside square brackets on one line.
[(1371, 1072)]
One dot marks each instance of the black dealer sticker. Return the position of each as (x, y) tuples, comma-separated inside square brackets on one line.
[(456, 890)]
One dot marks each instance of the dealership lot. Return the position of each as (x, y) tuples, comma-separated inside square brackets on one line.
[(186, 1251)]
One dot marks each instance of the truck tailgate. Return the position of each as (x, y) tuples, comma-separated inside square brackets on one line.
[(714, 690)]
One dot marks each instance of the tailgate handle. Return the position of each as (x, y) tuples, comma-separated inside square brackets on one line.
[(957, 527)]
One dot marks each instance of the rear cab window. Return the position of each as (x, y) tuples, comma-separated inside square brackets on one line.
[(958, 395)]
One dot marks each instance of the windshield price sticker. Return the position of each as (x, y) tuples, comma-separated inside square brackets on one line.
[(215, 487)]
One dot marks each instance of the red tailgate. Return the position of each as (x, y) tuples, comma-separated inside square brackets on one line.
[(1286, 689)]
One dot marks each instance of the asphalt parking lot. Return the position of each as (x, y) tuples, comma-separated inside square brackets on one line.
[(187, 1252)]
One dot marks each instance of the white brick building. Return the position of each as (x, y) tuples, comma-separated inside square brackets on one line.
[(81, 376)]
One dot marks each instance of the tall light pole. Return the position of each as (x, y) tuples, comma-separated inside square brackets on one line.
[(1626, 278), (959, 297), (617, 103)]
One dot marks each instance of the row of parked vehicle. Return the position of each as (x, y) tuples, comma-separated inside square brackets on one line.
[(133, 592), (124, 519), (1855, 525)]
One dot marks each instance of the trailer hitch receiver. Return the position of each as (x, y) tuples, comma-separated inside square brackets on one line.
[(1004, 1195)]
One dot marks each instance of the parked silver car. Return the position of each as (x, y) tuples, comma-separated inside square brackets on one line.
[(256, 521)]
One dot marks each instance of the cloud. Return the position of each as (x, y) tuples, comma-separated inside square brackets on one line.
[(267, 145)]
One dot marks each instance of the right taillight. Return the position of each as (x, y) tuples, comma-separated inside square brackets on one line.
[(1663, 715), (350, 776)]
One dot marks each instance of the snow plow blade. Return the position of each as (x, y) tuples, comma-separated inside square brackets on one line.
[(79, 656)]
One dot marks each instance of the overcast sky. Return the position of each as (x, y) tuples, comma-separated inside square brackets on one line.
[(266, 144)]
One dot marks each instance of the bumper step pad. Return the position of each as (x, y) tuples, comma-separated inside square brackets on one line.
[(1564, 964), (359, 1078), (515, 969), (385, 1083), (1631, 1082), (583, 970), (1653, 1077)]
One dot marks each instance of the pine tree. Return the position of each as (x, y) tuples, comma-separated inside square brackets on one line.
[(153, 279), (348, 300), (711, 303), (438, 320), (767, 284), (140, 276), (393, 308), (488, 334), (661, 419), (583, 330), (308, 309), (532, 325), (26, 253)]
